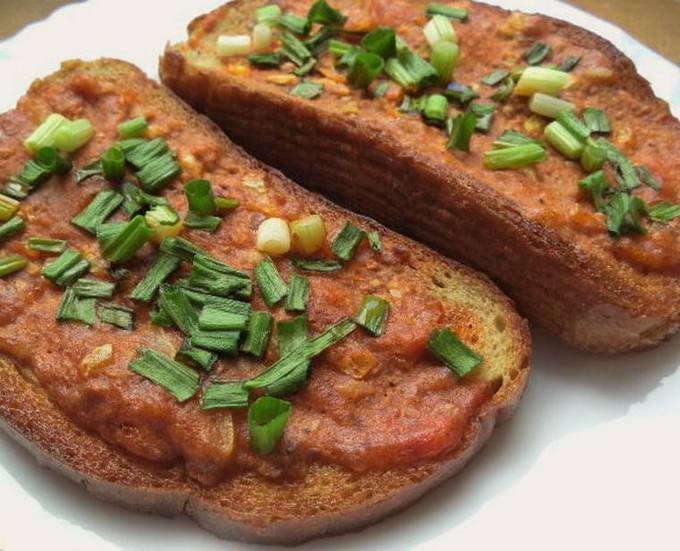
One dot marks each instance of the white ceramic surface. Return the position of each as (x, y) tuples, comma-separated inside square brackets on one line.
[(591, 460)]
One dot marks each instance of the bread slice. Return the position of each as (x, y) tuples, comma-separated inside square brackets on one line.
[(533, 231), (325, 498)]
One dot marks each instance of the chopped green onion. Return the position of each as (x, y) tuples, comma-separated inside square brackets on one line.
[(318, 43), (8, 207), (67, 268), (593, 156), (73, 135), (308, 90), (564, 141), (365, 69), (455, 354), (305, 69), (133, 128), (460, 93), (381, 41), (175, 303), (512, 138), (226, 203), (181, 248), (537, 53), (411, 71), (99, 209), (597, 120), (346, 241), (217, 278), (372, 314), (514, 157), (540, 79), (444, 58), (93, 288), (295, 23), (178, 379), (223, 342), (436, 109), (374, 241), (484, 115), (268, 15), (504, 91), (113, 164), (32, 174), (663, 212), (120, 244), (159, 317), (160, 270), (596, 184), (44, 135), (267, 418), (88, 171), (131, 144), (117, 315), (225, 395), (294, 49), (569, 63), (549, 106), (161, 215), (461, 129), (460, 14), (195, 357), (626, 175), (322, 13), (647, 178), (439, 29), (272, 287), (11, 264), (49, 158), (259, 332), (265, 60), (12, 227), (199, 222), (200, 196), (72, 308), (296, 300), (291, 334), (317, 265), (159, 172), (623, 214), (571, 122), (140, 153), (44, 245), (220, 314), (15, 188), (494, 78), (339, 48), (412, 105)]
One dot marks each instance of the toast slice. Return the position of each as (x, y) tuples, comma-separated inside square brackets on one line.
[(534, 231), (106, 427)]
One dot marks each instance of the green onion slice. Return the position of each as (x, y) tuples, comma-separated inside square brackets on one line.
[(225, 395), (436, 109), (647, 178), (563, 140), (73, 135), (626, 175), (381, 41), (444, 58), (623, 214), (459, 14), (571, 122), (365, 69), (663, 212), (113, 164), (66, 269), (514, 157), (49, 158), (268, 15), (596, 184), (448, 348), (504, 91), (195, 357), (120, 242), (200, 196), (537, 53), (294, 49), (568, 64), (98, 210), (298, 294), (178, 379), (295, 23), (117, 315), (317, 265), (322, 13), (8, 207), (372, 314), (175, 303), (12, 227), (549, 106), (88, 171), (181, 248), (267, 418), (133, 128), (223, 342), (483, 112), (346, 241), (461, 129), (157, 173), (593, 156), (597, 120), (259, 332), (291, 334), (494, 78), (11, 264), (512, 138), (374, 241), (162, 267), (199, 222), (265, 60), (460, 93), (226, 203), (307, 90), (93, 288), (73, 308), (140, 153), (44, 135), (272, 287), (222, 313)]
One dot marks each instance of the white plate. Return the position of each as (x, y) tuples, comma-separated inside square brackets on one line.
[(590, 460)]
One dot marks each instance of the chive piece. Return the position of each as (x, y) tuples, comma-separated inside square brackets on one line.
[(259, 332), (224, 314), (196, 357), (307, 90), (217, 278), (563, 141), (178, 379), (374, 241), (199, 222), (226, 203), (113, 164), (663, 212), (459, 14), (372, 314), (504, 91), (483, 112), (223, 342), (272, 287), (140, 153), (284, 366), (12, 227), (67, 268), (495, 77), (381, 41), (365, 69), (267, 419), (512, 138), (322, 13), (49, 158), (200, 196), (15, 189), (626, 175), (43, 245), (294, 49), (412, 105), (318, 43), (439, 29), (593, 156), (317, 265), (265, 60), (461, 129), (455, 354), (411, 71), (225, 395), (159, 172), (549, 106), (8, 207), (11, 264), (159, 317), (596, 184), (444, 58), (305, 69), (296, 300), (73, 308), (44, 134), (88, 171), (295, 23), (99, 209), (291, 334), (436, 109), (568, 64), (647, 178), (597, 120), (133, 128), (346, 241), (269, 15), (176, 304), (541, 79), (73, 135), (128, 238), (161, 219), (93, 288), (339, 48), (32, 174), (571, 122), (117, 315), (514, 157), (460, 93), (181, 248), (623, 214), (163, 266), (537, 53)]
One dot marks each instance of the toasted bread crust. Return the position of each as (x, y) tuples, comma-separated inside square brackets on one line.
[(580, 296), (328, 499)]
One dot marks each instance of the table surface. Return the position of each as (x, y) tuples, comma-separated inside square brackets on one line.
[(653, 22)]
